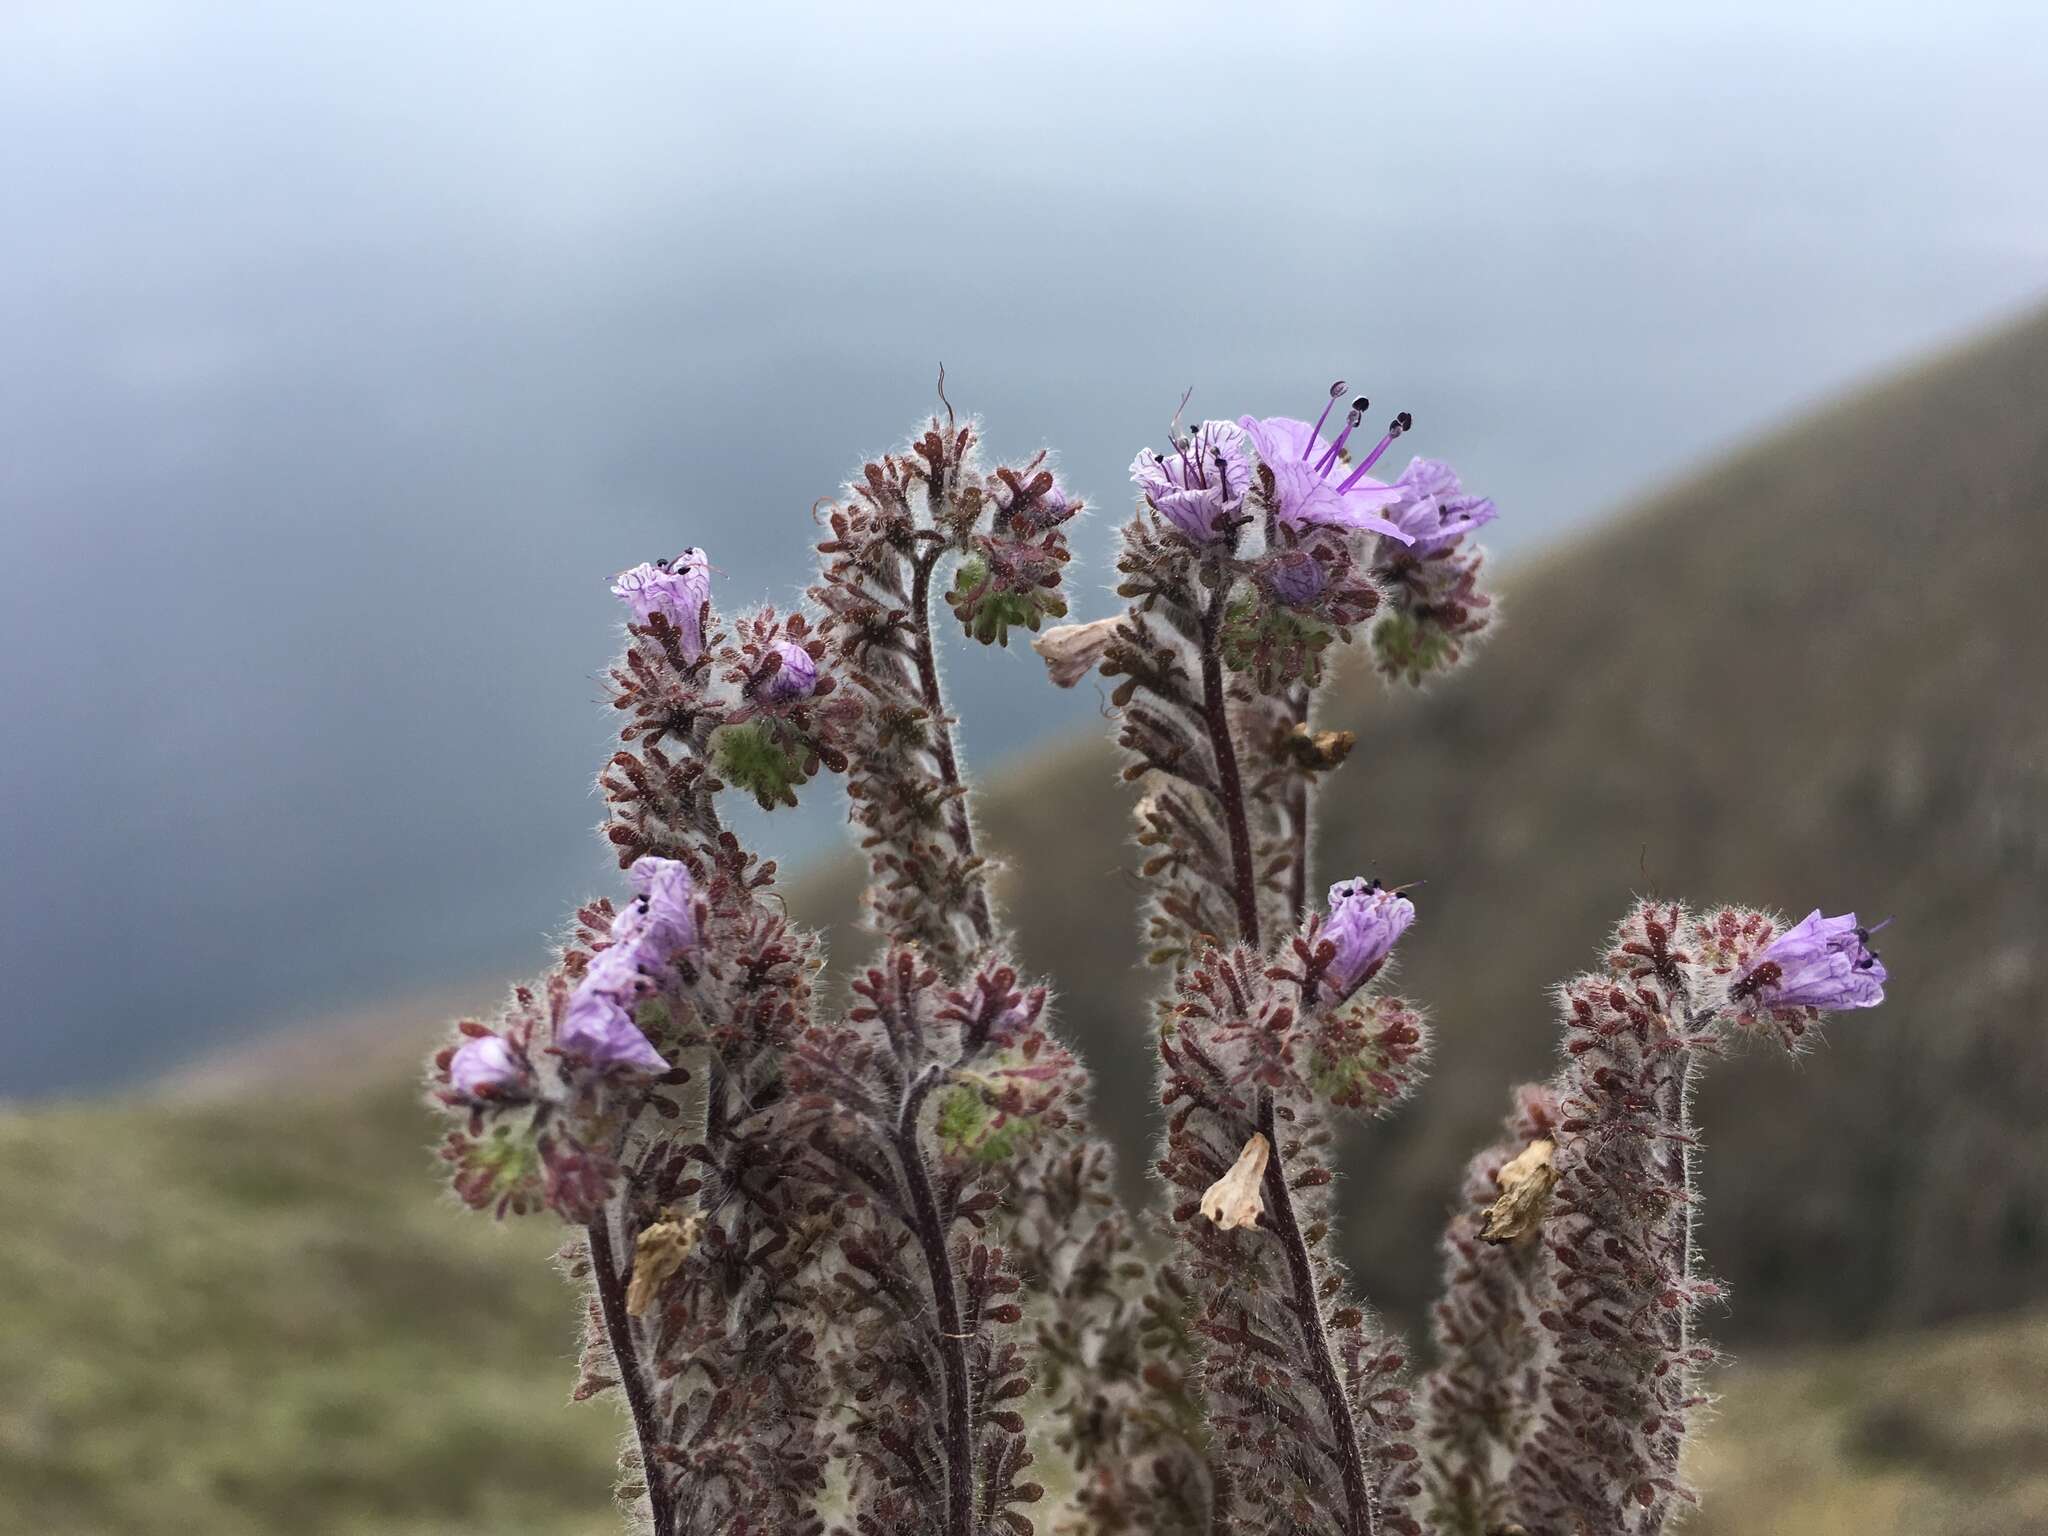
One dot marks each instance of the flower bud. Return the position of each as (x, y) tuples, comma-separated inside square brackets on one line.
[(1364, 921), (796, 678), (1294, 576), (485, 1066), (676, 589), (662, 919), (598, 1024), (1822, 962)]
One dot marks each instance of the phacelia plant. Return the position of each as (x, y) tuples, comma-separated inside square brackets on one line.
[(859, 1265)]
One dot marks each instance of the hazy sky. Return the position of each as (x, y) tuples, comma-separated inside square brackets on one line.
[(349, 349)]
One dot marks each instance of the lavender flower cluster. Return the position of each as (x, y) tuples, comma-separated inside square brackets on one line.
[(858, 1264)]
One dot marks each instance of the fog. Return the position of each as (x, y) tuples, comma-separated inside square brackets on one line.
[(350, 349)]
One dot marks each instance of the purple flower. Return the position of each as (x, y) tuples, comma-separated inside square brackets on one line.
[(1200, 486), (1311, 484), (484, 1064), (1822, 962), (676, 589), (1294, 576), (1433, 509), (1364, 921), (660, 922), (796, 678), (598, 1023)]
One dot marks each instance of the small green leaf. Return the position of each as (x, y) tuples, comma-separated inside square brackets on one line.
[(1411, 648), (967, 1127), (750, 757)]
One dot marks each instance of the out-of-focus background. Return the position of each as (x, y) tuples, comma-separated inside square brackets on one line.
[(350, 349)]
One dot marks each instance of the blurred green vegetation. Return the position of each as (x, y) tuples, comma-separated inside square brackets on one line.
[(1936, 1434), (266, 1317), (243, 1318)]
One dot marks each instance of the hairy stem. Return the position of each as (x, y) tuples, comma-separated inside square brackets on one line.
[(1297, 814), (1678, 1171), (611, 1297), (938, 1258), (959, 825), (1230, 787), (1678, 1158), (1359, 1516)]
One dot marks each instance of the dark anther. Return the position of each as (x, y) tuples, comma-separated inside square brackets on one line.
[(1336, 389), (1361, 404), (1407, 421)]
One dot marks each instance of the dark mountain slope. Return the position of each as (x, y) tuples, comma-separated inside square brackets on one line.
[(1814, 674)]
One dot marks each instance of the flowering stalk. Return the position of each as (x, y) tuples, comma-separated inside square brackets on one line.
[(918, 1097), (1219, 656), (1620, 1386), (1479, 1400), (928, 891), (905, 514), (715, 1355), (1305, 1400)]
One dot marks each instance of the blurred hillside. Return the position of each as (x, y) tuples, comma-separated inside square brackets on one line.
[(1815, 674), (258, 1318)]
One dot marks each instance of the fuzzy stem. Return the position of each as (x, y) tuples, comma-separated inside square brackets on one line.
[(611, 1297), (1298, 701), (1230, 788), (1360, 1517), (958, 826), (1678, 1157), (1678, 1169), (1297, 812), (938, 1258)]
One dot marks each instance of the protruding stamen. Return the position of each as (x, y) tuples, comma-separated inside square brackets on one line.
[(1336, 449), (1395, 428), (1336, 394)]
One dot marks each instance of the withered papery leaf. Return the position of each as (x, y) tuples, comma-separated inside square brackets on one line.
[(1233, 1200), (1525, 1185), (658, 1255)]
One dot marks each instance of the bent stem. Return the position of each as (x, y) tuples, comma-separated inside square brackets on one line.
[(618, 1326), (938, 1258), (959, 825), (1229, 785), (1297, 812), (1360, 1516)]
